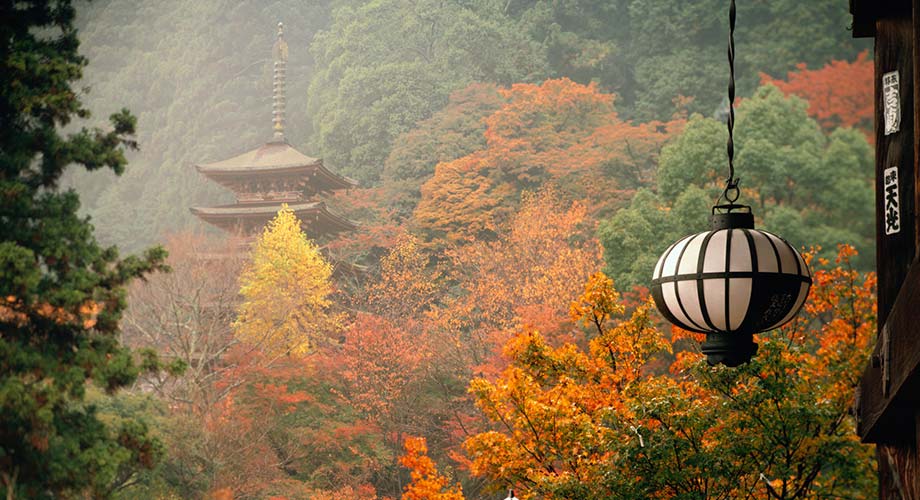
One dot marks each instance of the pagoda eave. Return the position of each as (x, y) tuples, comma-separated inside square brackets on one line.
[(312, 178), (274, 159), (251, 218)]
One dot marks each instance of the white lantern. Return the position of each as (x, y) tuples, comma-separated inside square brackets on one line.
[(729, 283)]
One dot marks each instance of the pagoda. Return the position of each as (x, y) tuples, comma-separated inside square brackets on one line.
[(274, 174)]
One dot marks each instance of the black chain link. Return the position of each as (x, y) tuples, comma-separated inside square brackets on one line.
[(731, 191)]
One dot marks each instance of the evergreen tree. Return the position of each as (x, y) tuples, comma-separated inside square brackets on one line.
[(385, 65), (62, 293)]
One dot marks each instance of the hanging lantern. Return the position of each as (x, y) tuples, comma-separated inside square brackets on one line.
[(732, 281)]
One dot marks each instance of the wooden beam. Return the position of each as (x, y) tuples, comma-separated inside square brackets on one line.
[(889, 393), (888, 397)]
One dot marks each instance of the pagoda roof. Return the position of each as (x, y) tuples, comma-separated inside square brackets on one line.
[(254, 216), (272, 158)]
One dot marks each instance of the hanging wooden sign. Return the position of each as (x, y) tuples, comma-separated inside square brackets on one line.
[(891, 96), (892, 201)]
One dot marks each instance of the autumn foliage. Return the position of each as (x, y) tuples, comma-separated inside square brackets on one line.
[(839, 94), (571, 400), (285, 289), (427, 483), (590, 423), (537, 260), (381, 363), (462, 341), (559, 131), (554, 406), (485, 330)]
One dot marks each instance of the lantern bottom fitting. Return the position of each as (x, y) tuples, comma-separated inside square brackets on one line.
[(729, 349)]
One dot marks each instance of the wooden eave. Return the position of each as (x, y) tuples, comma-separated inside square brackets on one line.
[(320, 177), (274, 159), (311, 214)]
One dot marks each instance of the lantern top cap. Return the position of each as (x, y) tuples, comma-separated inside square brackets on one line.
[(731, 216)]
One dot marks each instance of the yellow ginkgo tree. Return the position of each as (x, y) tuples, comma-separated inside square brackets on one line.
[(285, 288)]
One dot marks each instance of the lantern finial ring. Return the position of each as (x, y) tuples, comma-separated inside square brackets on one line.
[(732, 192)]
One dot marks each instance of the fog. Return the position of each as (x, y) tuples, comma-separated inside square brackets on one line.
[(433, 282)]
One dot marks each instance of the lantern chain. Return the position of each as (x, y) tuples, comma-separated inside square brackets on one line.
[(731, 191)]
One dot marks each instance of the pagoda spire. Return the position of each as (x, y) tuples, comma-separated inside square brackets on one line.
[(280, 55)]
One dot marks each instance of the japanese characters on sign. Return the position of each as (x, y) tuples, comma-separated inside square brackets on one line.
[(891, 98), (892, 201)]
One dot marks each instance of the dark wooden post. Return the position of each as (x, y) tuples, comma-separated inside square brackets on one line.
[(899, 473), (888, 397), (889, 393), (894, 56)]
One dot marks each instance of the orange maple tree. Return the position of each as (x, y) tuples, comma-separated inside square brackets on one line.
[(382, 364), (558, 131), (526, 274), (554, 407), (838, 94), (544, 251), (570, 422), (427, 483), (462, 201)]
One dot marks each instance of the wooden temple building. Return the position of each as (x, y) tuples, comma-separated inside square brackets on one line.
[(273, 174), (888, 398), (265, 178)]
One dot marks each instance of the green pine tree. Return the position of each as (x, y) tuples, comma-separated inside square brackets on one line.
[(62, 294)]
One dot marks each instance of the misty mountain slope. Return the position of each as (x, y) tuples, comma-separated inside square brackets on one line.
[(361, 75), (198, 77)]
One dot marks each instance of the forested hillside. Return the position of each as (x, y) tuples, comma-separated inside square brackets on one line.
[(523, 164), (198, 77), (363, 74)]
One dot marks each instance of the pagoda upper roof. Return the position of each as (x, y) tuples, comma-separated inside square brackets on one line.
[(273, 158), (252, 217)]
